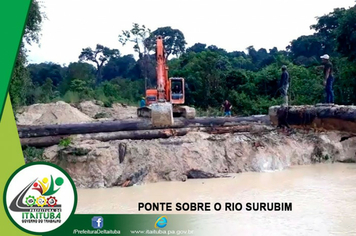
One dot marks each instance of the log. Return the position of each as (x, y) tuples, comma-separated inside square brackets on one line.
[(318, 117), (113, 126), (199, 174), (47, 141), (41, 142), (135, 135), (233, 129)]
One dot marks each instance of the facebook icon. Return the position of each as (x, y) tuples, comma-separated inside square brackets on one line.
[(97, 222)]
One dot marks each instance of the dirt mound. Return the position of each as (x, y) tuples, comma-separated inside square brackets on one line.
[(117, 111), (51, 113)]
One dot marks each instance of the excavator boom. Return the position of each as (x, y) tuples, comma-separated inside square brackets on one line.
[(161, 69)]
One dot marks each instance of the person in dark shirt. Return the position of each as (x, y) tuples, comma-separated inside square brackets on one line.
[(227, 108), (176, 90), (328, 78), (284, 85)]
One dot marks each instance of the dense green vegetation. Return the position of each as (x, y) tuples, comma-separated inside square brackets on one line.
[(249, 80)]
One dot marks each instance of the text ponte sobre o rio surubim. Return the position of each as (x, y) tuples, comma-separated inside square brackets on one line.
[(217, 206)]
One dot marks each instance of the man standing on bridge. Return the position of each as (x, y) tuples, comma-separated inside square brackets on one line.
[(284, 85), (328, 78)]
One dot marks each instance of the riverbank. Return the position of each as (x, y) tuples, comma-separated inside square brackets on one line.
[(104, 164), (95, 164)]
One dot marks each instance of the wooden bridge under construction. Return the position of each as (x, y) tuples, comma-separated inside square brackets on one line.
[(318, 117)]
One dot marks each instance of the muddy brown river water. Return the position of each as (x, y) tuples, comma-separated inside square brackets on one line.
[(323, 198)]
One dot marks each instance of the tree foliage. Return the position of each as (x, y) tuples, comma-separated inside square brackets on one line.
[(99, 56), (173, 40), (21, 82), (139, 36), (34, 23), (346, 34)]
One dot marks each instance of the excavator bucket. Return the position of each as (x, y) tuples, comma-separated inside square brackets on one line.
[(162, 114)]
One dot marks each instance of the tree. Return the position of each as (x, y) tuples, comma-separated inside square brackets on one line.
[(327, 23), (79, 71), (139, 36), (120, 67), (40, 72), (346, 34), (326, 29), (237, 54), (214, 48), (21, 81), (99, 56), (253, 54), (47, 90), (306, 46), (235, 79), (197, 47), (173, 40), (260, 58), (34, 23), (205, 73)]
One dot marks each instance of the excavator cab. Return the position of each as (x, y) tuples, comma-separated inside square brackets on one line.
[(177, 99), (177, 91)]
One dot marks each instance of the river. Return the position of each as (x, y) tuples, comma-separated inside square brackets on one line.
[(323, 198)]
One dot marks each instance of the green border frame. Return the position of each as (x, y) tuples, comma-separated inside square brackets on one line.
[(13, 18), (32, 164)]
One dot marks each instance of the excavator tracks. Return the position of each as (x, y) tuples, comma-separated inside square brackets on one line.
[(144, 112), (184, 111)]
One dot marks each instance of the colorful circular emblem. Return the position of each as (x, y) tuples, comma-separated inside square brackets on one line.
[(39, 197)]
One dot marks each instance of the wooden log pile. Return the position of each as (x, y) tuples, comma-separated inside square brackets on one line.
[(49, 135)]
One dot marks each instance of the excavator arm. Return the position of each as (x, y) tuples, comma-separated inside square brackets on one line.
[(161, 70), (162, 111)]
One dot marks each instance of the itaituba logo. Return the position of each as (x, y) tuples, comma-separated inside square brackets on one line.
[(47, 200), (49, 210)]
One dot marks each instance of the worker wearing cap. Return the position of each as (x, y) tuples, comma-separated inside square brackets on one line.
[(328, 78), (284, 85), (143, 102)]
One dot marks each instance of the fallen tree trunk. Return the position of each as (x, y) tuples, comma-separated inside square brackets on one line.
[(233, 129), (320, 117), (41, 142), (113, 126), (135, 135)]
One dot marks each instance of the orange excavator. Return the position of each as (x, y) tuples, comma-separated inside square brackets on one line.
[(166, 101)]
